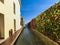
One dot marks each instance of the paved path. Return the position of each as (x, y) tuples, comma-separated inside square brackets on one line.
[(28, 38), (11, 39)]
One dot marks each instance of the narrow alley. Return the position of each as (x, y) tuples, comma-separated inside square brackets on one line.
[(28, 38)]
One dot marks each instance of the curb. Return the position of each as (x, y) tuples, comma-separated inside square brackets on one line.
[(16, 37)]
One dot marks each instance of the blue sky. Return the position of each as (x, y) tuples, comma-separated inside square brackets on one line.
[(32, 8)]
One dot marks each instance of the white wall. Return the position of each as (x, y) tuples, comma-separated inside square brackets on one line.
[(9, 22), (9, 16), (17, 15)]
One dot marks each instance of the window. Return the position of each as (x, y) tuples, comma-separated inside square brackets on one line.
[(2, 1), (14, 7)]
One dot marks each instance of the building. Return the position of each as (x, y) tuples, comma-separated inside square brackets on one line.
[(9, 17)]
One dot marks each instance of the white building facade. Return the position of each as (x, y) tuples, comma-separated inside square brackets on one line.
[(9, 17)]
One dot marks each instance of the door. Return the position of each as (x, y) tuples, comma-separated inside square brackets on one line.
[(14, 25), (1, 26)]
